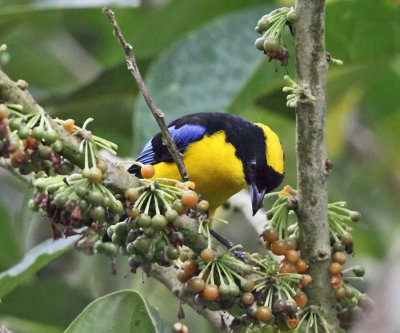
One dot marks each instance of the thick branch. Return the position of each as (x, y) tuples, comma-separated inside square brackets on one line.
[(157, 113), (311, 70)]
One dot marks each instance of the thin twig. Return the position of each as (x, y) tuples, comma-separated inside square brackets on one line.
[(157, 113)]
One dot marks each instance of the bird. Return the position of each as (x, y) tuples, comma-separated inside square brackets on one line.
[(223, 154)]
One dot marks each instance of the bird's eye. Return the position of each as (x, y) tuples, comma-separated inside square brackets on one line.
[(252, 166)]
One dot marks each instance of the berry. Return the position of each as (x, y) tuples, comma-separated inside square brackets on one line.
[(172, 252), (95, 175), (38, 133), (263, 313), (177, 205), (69, 125), (292, 243), (196, 284), (270, 235), (340, 293), (347, 239), (247, 284), (292, 256), (355, 216), (81, 191), (60, 200), (259, 43), (121, 229), (210, 292), (279, 247), (292, 322), (98, 213), (339, 257), (133, 212), (57, 146), (31, 143), (247, 299), (116, 206), (144, 221), (358, 271), (301, 299), (207, 255), (142, 244), (159, 222), (292, 17), (336, 281), (171, 215), (15, 123), (147, 171), (190, 267), (335, 268), (182, 276), (4, 111), (24, 132), (50, 136), (305, 280), (287, 267), (203, 205), (189, 199), (95, 197), (271, 45), (301, 266), (131, 194), (189, 185)]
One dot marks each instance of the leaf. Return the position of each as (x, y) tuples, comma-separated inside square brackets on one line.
[(35, 259), (23, 325), (202, 72), (9, 249), (124, 311)]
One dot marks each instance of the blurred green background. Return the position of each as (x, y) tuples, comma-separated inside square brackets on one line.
[(196, 55)]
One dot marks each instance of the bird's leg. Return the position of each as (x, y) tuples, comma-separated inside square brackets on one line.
[(228, 244)]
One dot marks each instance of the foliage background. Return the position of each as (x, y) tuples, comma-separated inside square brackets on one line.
[(198, 56)]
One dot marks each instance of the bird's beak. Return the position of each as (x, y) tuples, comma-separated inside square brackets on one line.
[(257, 197)]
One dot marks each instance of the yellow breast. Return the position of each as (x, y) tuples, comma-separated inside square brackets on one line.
[(213, 166)]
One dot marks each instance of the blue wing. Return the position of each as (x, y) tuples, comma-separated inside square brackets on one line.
[(155, 152)]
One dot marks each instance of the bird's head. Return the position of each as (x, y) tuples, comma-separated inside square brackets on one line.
[(264, 167)]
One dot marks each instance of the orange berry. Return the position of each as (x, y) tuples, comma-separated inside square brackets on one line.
[(182, 276), (335, 268), (189, 185), (263, 313), (4, 111), (210, 292), (207, 255), (287, 267), (336, 281), (203, 205), (30, 143), (196, 284), (305, 280), (190, 198), (292, 322), (292, 256), (148, 171), (179, 185), (301, 299), (270, 235), (279, 247), (301, 266), (95, 175), (190, 267), (69, 125), (339, 257)]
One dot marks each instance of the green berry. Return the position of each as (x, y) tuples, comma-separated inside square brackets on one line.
[(81, 190), (24, 132), (116, 240), (83, 205), (172, 252), (259, 43), (15, 123), (110, 230), (60, 200), (271, 45), (171, 215), (50, 136), (130, 248), (57, 146), (159, 222), (121, 229), (355, 216), (98, 213), (116, 206), (95, 197), (144, 220), (358, 271), (37, 133), (292, 16), (142, 244)]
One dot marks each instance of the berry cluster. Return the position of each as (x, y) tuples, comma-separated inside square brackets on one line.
[(272, 27)]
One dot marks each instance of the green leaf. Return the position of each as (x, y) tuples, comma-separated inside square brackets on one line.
[(17, 325), (35, 259), (124, 311), (9, 249), (203, 72)]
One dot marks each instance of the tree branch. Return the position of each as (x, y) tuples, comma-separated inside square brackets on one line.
[(157, 113), (311, 70)]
